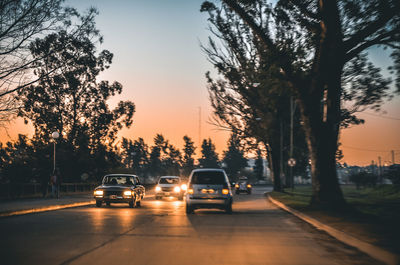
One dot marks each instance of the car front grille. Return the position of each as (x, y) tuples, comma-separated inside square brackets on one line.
[(112, 192), (167, 189)]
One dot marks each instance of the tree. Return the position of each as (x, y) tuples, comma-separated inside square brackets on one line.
[(393, 173), (209, 158), (187, 159), (164, 158), (252, 111), (234, 157), (70, 100), (364, 179), (171, 162), (20, 22), (259, 166), (320, 49), (17, 162), (135, 155)]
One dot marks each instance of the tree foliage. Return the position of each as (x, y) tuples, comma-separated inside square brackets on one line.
[(21, 21), (69, 99), (187, 158), (259, 166), (209, 158), (319, 48), (233, 158), (249, 98)]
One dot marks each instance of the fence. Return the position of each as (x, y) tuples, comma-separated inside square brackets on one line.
[(16, 190)]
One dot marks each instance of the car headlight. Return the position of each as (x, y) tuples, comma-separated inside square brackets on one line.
[(248, 185), (177, 189), (225, 191), (237, 186), (98, 192), (190, 191), (158, 188), (183, 187), (128, 193)]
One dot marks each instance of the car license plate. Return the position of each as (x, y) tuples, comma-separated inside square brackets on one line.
[(167, 193), (113, 196)]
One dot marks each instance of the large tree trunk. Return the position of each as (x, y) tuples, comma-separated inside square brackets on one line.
[(274, 166), (321, 121), (322, 118)]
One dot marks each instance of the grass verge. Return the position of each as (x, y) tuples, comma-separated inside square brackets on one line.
[(373, 214)]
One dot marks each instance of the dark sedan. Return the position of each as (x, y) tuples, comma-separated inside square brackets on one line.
[(119, 188)]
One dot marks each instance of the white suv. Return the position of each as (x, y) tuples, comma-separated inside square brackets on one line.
[(208, 188)]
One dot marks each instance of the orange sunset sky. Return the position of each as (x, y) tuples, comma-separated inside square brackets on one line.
[(157, 58)]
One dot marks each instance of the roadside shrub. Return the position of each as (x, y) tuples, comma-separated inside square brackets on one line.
[(393, 173), (364, 179)]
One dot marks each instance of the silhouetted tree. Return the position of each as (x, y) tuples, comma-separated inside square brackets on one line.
[(70, 100), (17, 163), (171, 162), (252, 111), (234, 157), (209, 158), (319, 48), (187, 159), (259, 166), (135, 155), (21, 21)]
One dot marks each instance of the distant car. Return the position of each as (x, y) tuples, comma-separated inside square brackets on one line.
[(243, 185), (208, 188), (170, 186), (119, 188)]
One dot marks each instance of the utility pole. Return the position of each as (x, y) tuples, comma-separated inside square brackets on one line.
[(380, 169), (292, 110)]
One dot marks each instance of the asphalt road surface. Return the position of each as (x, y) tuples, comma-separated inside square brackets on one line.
[(161, 233)]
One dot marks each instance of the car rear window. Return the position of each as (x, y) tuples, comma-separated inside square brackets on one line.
[(118, 180), (169, 180), (208, 177)]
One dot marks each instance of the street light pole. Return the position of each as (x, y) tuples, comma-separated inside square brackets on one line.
[(55, 136)]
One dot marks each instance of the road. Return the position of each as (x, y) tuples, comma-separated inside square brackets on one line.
[(161, 233)]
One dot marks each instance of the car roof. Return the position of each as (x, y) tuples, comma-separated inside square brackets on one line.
[(170, 177), (208, 169), (123, 175)]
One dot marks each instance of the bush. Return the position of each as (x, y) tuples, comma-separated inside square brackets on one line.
[(393, 173), (364, 179)]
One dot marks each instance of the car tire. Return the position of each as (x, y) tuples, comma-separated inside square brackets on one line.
[(132, 203), (237, 192), (108, 203), (98, 203), (249, 192), (138, 203), (189, 209)]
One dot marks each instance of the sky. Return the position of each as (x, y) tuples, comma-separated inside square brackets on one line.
[(158, 60)]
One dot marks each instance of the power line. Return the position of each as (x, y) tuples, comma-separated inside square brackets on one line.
[(380, 116), (368, 150)]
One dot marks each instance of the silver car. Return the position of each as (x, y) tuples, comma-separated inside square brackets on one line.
[(208, 188), (170, 186)]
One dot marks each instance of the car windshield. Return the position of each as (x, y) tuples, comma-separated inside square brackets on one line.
[(169, 181), (208, 177), (118, 180)]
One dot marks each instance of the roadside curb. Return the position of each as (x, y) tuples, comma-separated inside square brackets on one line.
[(371, 250), (46, 209)]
